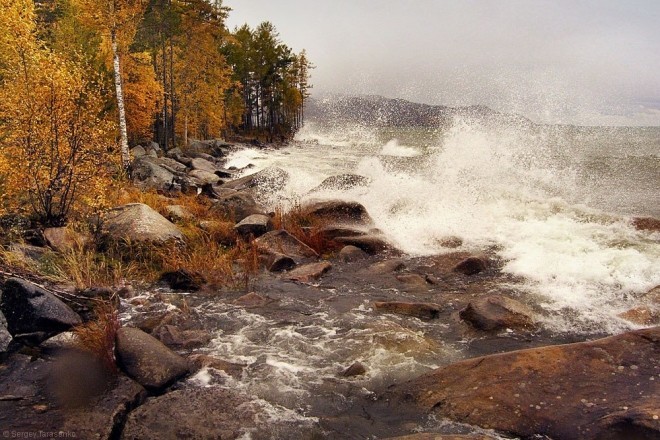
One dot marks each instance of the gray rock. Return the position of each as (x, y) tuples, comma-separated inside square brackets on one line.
[(199, 413), (174, 153), (177, 213), (268, 179), (147, 360), (204, 165), (338, 212), (371, 244), (204, 177), (5, 336), (172, 165), (342, 182), (254, 225), (138, 151), (236, 205), (351, 253), (497, 312), (30, 309), (139, 223), (212, 147), (147, 173)]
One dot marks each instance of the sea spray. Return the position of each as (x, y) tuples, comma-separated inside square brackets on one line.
[(522, 191)]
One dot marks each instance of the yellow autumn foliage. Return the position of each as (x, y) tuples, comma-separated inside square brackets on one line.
[(54, 139)]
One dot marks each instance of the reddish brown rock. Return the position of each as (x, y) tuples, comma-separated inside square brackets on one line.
[(371, 244), (338, 212), (642, 316), (308, 272), (281, 242), (603, 389), (471, 266), (419, 310), (432, 436), (199, 361), (413, 280), (356, 369), (63, 239), (497, 312), (647, 224)]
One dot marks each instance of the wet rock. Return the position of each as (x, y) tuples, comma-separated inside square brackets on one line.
[(63, 239), (276, 262), (254, 225), (351, 253), (338, 212), (199, 413), (653, 295), (204, 177), (342, 182), (642, 316), (356, 369), (309, 272), (29, 309), (646, 224), (29, 407), (497, 312), (371, 244), (204, 165), (450, 242), (253, 299), (5, 336), (174, 337), (268, 179), (177, 213), (413, 280), (184, 280), (199, 361), (418, 310), (471, 266), (236, 205), (281, 242), (387, 266), (147, 174), (591, 390), (147, 360), (334, 231), (434, 436), (138, 223)]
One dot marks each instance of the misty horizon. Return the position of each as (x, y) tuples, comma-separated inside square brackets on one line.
[(587, 63)]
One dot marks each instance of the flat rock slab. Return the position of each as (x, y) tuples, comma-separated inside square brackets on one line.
[(497, 312), (28, 308), (147, 360), (308, 272), (281, 242), (138, 222), (602, 389), (202, 413)]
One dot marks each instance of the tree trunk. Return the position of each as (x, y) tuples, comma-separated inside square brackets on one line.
[(123, 131)]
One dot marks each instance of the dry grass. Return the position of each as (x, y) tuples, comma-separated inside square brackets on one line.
[(98, 336), (305, 228)]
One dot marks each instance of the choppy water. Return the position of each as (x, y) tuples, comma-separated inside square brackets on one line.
[(554, 203), (557, 201)]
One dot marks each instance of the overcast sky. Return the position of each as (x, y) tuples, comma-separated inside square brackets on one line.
[(571, 61)]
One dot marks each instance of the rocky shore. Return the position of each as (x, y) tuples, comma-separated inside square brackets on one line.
[(482, 361)]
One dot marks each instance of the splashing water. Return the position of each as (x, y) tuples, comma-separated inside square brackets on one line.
[(554, 201)]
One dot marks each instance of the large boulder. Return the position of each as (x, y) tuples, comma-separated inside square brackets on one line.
[(342, 182), (281, 242), (202, 164), (137, 223), (603, 389), (212, 147), (338, 212), (496, 312), (30, 309), (147, 360), (254, 225), (268, 179), (204, 177), (147, 173), (236, 205)]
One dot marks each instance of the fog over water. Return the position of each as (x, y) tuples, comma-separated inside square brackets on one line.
[(592, 62)]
